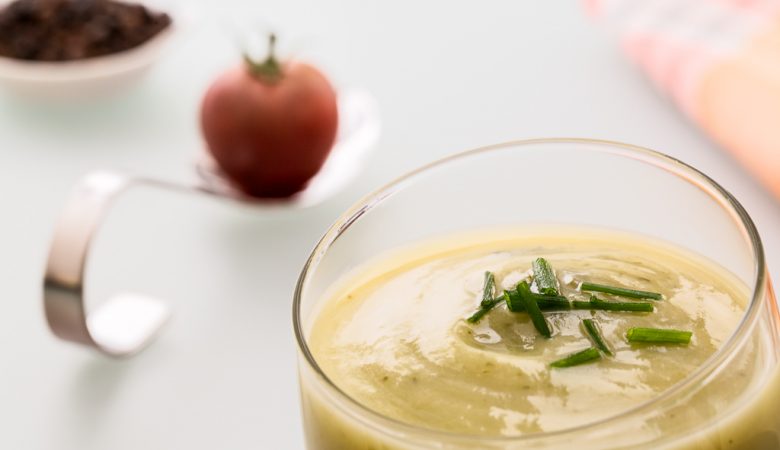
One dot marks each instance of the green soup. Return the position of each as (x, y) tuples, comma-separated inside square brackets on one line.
[(393, 336)]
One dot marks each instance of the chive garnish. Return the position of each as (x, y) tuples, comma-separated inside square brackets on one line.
[(575, 359), (488, 289), (544, 277), (548, 303), (597, 303), (488, 302), (658, 335), (513, 302), (532, 308), (484, 310), (545, 302), (622, 292), (594, 333)]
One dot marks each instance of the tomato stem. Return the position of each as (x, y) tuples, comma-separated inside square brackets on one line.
[(269, 70)]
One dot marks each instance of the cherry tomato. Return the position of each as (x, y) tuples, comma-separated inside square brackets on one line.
[(270, 125)]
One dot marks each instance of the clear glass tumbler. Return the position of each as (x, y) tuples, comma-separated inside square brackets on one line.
[(562, 182)]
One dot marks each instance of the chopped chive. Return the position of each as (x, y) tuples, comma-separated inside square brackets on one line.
[(622, 292), (532, 308), (488, 302), (513, 302), (545, 302), (658, 335), (488, 289), (544, 277), (542, 297), (484, 310), (575, 359), (596, 303), (556, 303), (594, 333)]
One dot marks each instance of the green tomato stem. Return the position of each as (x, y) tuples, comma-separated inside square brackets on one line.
[(269, 71)]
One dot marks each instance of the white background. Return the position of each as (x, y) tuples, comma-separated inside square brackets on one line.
[(447, 76)]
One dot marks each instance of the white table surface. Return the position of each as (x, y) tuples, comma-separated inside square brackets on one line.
[(448, 76)]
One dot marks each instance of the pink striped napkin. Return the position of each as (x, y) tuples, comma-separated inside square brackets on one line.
[(719, 60)]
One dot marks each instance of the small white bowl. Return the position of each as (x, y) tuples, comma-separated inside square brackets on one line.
[(91, 77)]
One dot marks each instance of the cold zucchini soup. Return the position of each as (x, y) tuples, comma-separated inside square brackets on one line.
[(505, 335)]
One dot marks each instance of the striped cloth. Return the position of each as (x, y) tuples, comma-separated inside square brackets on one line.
[(719, 60)]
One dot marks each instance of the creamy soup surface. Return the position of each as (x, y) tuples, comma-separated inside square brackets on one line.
[(393, 334)]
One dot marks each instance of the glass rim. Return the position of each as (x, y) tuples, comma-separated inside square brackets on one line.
[(652, 157)]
